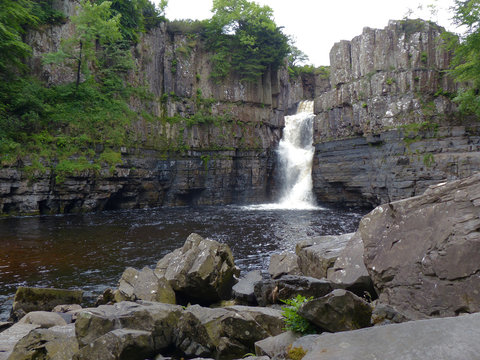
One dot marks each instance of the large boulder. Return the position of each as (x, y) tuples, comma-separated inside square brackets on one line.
[(283, 264), (202, 271), (119, 344), (29, 299), (316, 256), (432, 339), (244, 290), (423, 253), (143, 285), (349, 270), (225, 333), (340, 310), (290, 286), (157, 318), (55, 343)]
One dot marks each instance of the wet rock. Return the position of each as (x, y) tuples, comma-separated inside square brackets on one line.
[(10, 337), (29, 299), (340, 310), (349, 271), (423, 253), (43, 319), (143, 285), (384, 314), (316, 256), (55, 343), (224, 333), (290, 286), (433, 339), (275, 345), (119, 344), (158, 318), (283, 264), (244, 289), (202, 271)]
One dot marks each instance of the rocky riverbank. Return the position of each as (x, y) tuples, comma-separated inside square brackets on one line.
[(417, 255)]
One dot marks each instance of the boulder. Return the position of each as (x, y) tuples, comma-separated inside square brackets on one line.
[(349, 271), (10, 337), (29, 299), (317, 255), (340, 310), (119, 344), (244, 289), (225, 333), (384, 314), (158, 318), (432, 339), (202, 271), (290, 286), (264, 291), (55, 343), (275, 345), (423, 253), (283, 264), (143, 285), (43, 319)]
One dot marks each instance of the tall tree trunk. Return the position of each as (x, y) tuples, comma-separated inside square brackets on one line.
[(79, 66)]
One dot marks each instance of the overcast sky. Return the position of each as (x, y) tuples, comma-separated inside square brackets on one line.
[(318, 24)]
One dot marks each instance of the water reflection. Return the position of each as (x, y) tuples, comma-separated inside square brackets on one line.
[(91, 251)]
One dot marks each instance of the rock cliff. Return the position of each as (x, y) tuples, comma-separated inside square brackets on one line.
[(226, 156), (388, 129)]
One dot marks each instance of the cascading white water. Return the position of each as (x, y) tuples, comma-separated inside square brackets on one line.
[(295, 158), (295, 155)]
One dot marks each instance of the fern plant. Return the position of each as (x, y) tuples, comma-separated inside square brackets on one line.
[(293, 320)]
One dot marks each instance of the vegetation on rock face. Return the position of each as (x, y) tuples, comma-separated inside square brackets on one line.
[(466, 62), (58, 127)]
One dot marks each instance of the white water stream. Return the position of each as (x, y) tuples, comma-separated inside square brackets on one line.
[(295, 157)]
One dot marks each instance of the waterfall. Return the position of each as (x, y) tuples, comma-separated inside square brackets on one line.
[(295, 155)]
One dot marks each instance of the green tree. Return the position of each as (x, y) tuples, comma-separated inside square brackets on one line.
[(466, 61), (14, 14), (244, 38), (94, 26)]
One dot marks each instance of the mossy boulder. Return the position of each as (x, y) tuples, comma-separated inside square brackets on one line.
[(29, 299)]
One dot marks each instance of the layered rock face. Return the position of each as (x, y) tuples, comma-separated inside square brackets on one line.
[(423, 253), (387, 129), (228, 157)]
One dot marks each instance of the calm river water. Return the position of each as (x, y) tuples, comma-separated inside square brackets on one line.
[(91, 251)]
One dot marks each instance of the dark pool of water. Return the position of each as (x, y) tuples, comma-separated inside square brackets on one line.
[(91, 251)]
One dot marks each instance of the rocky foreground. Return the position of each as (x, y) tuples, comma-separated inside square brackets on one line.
[(406, 285)]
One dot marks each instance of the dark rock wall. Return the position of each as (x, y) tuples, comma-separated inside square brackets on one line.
[(370, 145)]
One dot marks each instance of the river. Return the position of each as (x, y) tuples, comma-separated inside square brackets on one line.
[(91, 251)]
